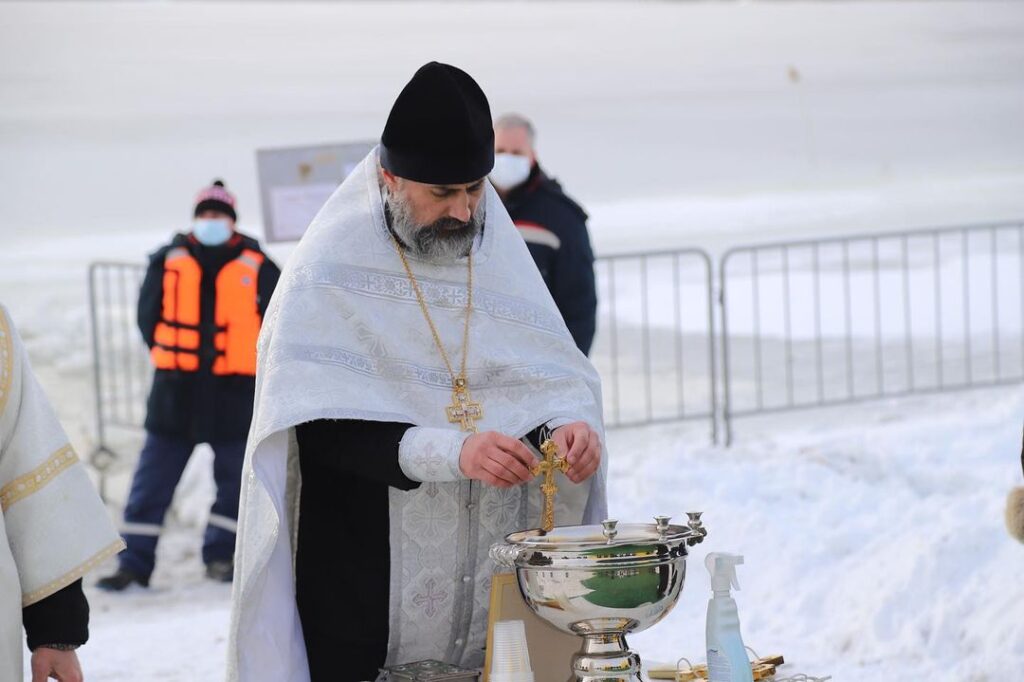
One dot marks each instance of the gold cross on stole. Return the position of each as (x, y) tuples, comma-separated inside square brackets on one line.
[(463, 410), (551, 463)]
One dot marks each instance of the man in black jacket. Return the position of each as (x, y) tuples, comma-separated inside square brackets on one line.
[(200, 310), (553, 225)]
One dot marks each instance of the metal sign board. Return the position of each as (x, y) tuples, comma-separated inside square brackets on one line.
[(295, 182)]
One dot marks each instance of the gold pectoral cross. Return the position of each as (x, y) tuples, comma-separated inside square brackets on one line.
[(551, 463), (463, 411)]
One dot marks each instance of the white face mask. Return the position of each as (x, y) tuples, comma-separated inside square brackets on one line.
[(211, 231), (510, 170)]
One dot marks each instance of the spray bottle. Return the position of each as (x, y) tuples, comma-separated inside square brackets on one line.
[(727, 657)]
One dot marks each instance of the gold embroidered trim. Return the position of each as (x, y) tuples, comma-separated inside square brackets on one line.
[(73, 575), (6, 360), (31, 482)]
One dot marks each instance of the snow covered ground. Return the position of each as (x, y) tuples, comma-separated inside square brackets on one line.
[(873, 535)]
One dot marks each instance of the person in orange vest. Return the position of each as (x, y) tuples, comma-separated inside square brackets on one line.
[(200, 309)]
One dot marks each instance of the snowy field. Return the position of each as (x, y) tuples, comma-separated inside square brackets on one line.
[(873, 535), (874, 544)]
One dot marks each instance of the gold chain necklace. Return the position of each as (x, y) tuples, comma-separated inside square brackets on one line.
[(463, 411)]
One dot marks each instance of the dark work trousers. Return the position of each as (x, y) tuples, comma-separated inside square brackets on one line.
[(161, 464)]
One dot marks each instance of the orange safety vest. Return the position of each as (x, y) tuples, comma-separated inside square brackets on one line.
[(236, 314)]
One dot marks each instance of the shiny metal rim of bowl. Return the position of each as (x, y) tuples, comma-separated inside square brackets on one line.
[(585, 547)]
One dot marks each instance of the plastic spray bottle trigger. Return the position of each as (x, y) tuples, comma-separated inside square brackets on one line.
[(727, 657)]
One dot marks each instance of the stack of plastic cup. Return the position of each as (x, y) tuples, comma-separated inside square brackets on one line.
[(510, 660)]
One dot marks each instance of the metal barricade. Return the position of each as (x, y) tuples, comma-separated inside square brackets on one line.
[(655, 346), (854, 318), (805, 324), (121, 367)]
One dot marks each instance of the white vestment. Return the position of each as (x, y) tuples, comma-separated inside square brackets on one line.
[(344, 338), (55, 527)]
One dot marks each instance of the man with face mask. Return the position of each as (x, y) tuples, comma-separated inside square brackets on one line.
[(200, 309), (553, 225), (410, 362)]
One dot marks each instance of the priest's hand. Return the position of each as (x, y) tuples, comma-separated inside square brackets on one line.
[(496, 459), (59, 665), (582, 448)]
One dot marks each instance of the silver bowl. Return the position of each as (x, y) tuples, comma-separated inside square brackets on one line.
[(601, 582)]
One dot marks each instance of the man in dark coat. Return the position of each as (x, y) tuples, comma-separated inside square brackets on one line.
[(553, 225), (200, 309)]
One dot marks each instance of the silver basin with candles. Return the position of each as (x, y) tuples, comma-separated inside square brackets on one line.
[(601, 582)]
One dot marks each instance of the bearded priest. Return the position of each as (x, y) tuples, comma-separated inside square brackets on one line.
[(408, 363)]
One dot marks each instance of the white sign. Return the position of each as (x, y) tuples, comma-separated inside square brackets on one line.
[(293, 208), (295, 182)]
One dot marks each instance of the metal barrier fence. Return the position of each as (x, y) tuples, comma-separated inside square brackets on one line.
[(804, 324), (121, 368), (848, 319), (655, 346)]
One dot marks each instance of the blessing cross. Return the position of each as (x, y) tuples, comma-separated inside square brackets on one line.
[(551, 463), (463, 411)]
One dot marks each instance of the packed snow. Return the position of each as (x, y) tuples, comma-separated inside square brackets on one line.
[(873, 534), (873, 539)]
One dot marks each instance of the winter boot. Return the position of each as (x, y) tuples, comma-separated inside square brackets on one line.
[(221, 571), (120, 581)]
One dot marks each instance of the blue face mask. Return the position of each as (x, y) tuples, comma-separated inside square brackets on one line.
[(211, 231)]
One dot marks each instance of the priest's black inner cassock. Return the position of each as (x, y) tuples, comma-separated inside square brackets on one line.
[(342, 587)]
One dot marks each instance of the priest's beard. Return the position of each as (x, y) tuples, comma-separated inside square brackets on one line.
[(442, 241)]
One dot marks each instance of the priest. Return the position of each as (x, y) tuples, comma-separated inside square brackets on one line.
[(410, 363), (55, 527)]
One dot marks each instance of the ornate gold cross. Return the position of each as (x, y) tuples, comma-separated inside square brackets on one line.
[(463, 410), (551, 463)]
